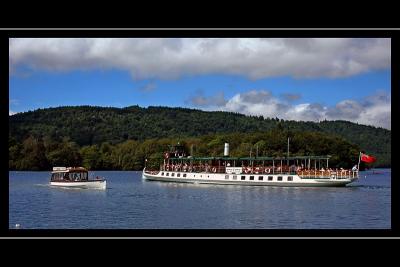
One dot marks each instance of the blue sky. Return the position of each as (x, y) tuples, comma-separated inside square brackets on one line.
[(353, 86), (118, 89)]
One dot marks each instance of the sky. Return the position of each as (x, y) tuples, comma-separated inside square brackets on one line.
[(304, 79)]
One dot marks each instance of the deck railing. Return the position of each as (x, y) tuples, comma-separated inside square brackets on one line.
[(312, 173), (339, 174), (197, 168)]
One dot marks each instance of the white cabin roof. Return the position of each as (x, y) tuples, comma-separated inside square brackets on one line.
[(68, 169)]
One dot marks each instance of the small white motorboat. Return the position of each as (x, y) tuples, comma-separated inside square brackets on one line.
[(75, 177)]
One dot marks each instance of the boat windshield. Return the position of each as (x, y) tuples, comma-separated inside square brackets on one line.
[(71, 176), (78, 176)]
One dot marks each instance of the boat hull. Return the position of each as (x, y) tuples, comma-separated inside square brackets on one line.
[(91, 184), (212, 178)]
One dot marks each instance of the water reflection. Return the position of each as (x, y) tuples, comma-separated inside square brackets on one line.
[(134, 203)]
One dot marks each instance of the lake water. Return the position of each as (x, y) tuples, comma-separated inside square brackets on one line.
[(132, 203)]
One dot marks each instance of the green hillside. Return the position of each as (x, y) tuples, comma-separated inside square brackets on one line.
[(84, 129)]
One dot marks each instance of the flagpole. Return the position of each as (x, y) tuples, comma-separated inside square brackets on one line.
[(288, 151), (359, 158)]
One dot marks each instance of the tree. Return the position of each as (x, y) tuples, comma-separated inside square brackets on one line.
[(15, 155), (34, 155), (126, 154), (91, 157), (86, 126), (65, 154)]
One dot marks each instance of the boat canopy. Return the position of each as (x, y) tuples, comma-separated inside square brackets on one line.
[(68, 169), (253, 158)]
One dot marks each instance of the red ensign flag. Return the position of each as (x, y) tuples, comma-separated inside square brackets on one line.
[(368, 159)]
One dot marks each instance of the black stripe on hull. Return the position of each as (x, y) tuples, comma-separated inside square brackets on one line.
[(255, 183)]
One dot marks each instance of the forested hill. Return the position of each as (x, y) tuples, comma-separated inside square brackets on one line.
[(87, 125)]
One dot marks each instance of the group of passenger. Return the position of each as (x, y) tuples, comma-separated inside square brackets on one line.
[(328, 172), (192, 168), (300, 169), (74, 177)]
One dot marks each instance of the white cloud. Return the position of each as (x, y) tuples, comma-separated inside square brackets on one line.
[(13, 103), (373, 110), (172, 58)]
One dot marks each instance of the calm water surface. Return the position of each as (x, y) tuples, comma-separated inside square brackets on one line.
[(132, 203)]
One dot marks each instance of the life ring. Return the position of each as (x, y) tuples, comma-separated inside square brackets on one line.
[(214, 169), (247, 170), (267, 170), (257, 170), (167, 168)]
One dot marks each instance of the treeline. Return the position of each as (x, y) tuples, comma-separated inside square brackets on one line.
[(94, 127), (44, 153), (87, 125)]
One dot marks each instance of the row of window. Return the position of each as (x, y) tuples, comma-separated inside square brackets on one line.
[(260, 178), (72, 176), (235, 177), (173, 174), (179, 175)]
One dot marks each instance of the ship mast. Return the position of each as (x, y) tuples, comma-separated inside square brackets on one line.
[(288, 151)]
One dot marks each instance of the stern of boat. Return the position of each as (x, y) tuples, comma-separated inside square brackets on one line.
[(104, 185)]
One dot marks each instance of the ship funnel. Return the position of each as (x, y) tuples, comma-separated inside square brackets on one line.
[(226, 150)]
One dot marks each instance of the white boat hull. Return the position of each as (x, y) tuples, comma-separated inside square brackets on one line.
[(91, 184), (249, 179)]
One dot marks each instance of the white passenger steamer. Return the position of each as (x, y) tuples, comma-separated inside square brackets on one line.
[(261, 171), (75, 177)]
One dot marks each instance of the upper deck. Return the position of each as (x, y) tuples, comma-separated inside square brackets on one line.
[(304, 166), (68, 169)]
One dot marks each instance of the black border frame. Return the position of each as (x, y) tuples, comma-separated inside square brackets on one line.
[(220, 233)]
